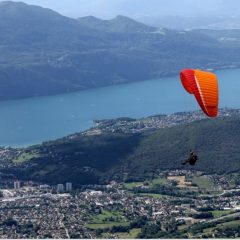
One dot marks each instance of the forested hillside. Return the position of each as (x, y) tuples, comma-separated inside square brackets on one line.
[(43, 52), (99, 158)]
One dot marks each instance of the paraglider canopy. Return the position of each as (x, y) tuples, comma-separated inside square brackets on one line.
[(204, 86)]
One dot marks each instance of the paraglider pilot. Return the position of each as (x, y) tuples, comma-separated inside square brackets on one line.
[(191, 159)]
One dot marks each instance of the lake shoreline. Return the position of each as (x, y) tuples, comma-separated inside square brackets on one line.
[(119, 84), (31, 121), (132, 125)]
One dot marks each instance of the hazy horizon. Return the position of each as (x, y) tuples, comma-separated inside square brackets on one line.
[(107, 9)]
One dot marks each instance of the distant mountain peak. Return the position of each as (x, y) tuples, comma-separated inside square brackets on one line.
[(19, 5), (118, 24), (121, 17), (10, 5), (17, 9), (90, 17), (5, 3)]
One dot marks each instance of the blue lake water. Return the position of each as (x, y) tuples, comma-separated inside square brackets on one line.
[(30, 121)]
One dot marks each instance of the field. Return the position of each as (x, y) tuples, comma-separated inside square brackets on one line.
[(133, 233), (231, 224), (106, 219), (159, 181), (95, 226), (132, 185), (219, 213), (26, 157), (106, 216), (203, 182), (154, 183), (223, 226)]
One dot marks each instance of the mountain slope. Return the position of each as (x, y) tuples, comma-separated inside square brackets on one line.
[(27, 26), (98, 158), (119, 24), (43, 52)]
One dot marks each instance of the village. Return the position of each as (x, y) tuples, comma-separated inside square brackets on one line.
[(129, 125)]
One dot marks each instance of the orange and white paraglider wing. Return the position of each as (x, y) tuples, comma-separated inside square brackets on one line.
[(207, 86), (204, 86)]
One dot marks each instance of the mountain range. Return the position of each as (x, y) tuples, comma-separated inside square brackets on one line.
[(44, 53)]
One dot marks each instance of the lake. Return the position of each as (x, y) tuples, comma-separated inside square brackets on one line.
[(31, 121)]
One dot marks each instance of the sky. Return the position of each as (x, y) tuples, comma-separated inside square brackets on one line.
[(107, 9)]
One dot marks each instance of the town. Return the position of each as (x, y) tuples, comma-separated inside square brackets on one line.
[(183, 202), (129, 125)]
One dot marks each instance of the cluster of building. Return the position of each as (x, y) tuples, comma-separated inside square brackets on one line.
[(60, 188), (36, 212), (126, 125)]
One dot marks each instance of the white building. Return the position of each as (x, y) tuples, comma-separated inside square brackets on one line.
[(17, 185), (44, 187), (68, 187), (95, 193), (60, 188)]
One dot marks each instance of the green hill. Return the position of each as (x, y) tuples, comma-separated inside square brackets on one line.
[(97, 158)]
